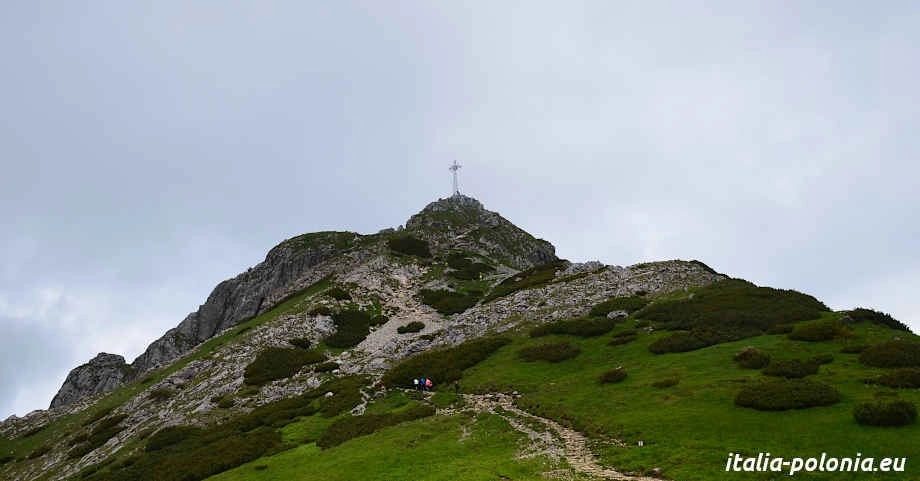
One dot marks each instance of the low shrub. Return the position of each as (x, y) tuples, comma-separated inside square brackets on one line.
[(171, 435), (414, 326), (466, 269), (581, 327), (409, 245), (338, 293), (750, 358), (823, 358), (786, 394), (613, 376), (351, 327), (854, 348), (629, 304), (279, 363), (552, 352), (321, 310), (223, 402), (301, 342), (443, 365), (379, 320), (895, 353), (780, 329), (449, 302), (666, 382), (908, 377), (103, 431), (690, 341), (537, 276), (861, 314), (39, 451), (326, 366), (885, 413), (161, 394), (792, 368), (354, 426), (816, 331)]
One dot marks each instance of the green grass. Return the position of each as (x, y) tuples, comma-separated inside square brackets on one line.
[(429, 449), (689, 429)]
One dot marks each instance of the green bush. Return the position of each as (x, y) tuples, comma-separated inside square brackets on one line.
[(726, 311), (171, 435), (538, 276), (792, 368), (896, 353), (908, 377), (161, 394), (750, 358), (666, 382), (689, 341), (279, 363), (351, 327), (816, 331), (223, 402), (785, 394), (39, 451), (464, 268), (301, 342), (101, 433), (414, 326), (823, 358), (552, 352), (354, 426), (854, 348), (613, 376), (338, 293), (326, 367), (449, 302), (98, 415), (321, 310), (409, 245), (780, 329), (629, 304), (442, 365), (885, 413), (379, 320), (868, 315), (582, 327)]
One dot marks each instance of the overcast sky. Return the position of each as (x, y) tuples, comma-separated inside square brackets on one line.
[(150, 150)]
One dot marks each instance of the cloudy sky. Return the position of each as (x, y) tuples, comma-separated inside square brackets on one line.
[(150, 150)]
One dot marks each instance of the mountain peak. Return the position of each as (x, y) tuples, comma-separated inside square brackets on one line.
[(462, 222)]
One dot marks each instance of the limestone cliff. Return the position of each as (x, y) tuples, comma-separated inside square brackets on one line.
[(103, 373)]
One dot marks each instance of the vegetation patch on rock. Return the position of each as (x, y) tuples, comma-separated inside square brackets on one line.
[(449, 302), (414, 326), (581, 327), (443, 365), (629, 304), (279, 363), (538, 276), (409, 245), (351, 327)]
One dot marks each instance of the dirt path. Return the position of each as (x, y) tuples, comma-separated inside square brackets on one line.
[(567, 442)]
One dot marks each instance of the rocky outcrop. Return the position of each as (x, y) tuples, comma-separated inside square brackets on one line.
[(461, 222), (103, 373), (248, 294)]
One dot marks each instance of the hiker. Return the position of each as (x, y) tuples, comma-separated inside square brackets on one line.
[(421, 384), (456, 386), (428, 384), (415, 384)]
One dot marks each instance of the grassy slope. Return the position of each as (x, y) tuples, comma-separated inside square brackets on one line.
[(427, 449), (690, 429), (68, 425)]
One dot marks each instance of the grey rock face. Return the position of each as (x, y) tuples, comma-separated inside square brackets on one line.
[(103, 373)]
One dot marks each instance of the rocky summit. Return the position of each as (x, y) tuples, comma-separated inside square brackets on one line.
[(315, 345)]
